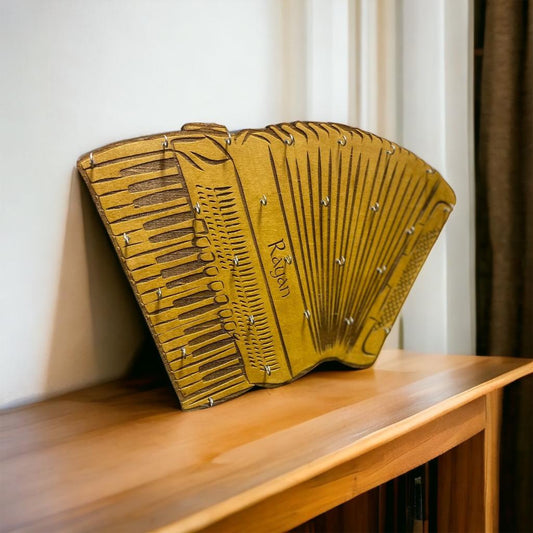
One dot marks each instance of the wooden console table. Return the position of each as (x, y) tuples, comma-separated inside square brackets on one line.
[(122, 457)]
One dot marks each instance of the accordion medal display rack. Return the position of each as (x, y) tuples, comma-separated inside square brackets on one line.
[(259, 254)]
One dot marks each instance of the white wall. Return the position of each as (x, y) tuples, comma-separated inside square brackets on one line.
[(78, 74)]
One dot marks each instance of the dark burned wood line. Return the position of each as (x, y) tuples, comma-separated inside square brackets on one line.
[(168, 220), (191, 334), (171, 235), (156, 249), (160, 197), (332, 247), (157, 165), (189, 278), (118, 160), (362, 261), (322, 240), (314, 271), (351, 231), (338, 249), (299, 223), (348, 192), (208, 334), (145, 185), (183, 268), (141, 215), (178, 254), (208, 160), (355, 267)]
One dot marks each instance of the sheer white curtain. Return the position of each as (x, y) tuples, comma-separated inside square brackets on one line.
[(401, 69)]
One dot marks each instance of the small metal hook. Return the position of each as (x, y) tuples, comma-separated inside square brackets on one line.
[(349, 320), (307, 314), (197, 207), (126, 238), (251, 320), (183, 351), (381, 269), (263, 200), (210, 401), (288, 259), (374, 207), (390, 152), (159, 293), (290, 140), (268, 370), (165, 142), (236, 260), (325, 201), (410, 230), (343, 140), (430, 170), (340, 260), (228, 138), (91, 159), (387, 330)]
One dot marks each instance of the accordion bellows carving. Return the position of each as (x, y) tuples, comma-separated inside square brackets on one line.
[(259, 254)]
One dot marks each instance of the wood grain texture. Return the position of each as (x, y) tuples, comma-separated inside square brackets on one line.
[(357, 476), (116, 457), (461, 488), (256, 255)]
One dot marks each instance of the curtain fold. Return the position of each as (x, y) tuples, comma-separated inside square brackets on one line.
[(505, 236)]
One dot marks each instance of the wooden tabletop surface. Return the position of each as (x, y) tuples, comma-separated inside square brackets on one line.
[(122, 456)]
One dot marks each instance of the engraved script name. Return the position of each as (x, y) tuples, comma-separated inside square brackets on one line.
[(279, 265)]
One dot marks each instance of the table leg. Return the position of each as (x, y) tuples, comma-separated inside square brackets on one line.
[(468, 478), (492, 459)]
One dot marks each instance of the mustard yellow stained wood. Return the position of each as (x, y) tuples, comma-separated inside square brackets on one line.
[(258, 254)]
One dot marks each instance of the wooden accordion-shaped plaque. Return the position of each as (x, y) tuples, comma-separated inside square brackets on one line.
[(259, 254)]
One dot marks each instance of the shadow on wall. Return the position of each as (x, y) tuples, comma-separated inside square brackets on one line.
[(98, 326)]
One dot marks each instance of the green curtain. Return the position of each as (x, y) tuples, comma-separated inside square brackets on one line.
[(505, 235)]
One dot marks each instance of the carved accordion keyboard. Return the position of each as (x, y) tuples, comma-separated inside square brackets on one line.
[(259, 254)]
